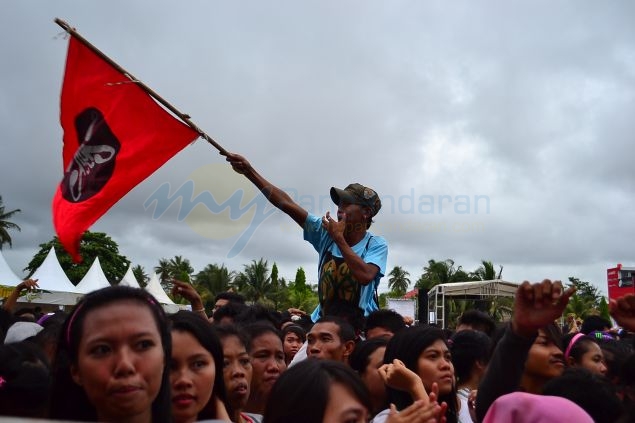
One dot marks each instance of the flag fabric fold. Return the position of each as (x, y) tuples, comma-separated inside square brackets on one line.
[(115, 136)]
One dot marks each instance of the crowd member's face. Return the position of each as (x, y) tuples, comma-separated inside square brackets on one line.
[(435, 365), (356, 216), (237, 372), (267, 359), (343, 406), (372, 379), (120, 360), (544, 360), (292, 344), (192, 373), (593, 359), (324, 342), (221, 302)]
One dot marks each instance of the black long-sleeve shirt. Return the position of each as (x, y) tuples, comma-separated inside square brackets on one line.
[(504, 371)]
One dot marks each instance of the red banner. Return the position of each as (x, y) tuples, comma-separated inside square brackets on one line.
[(115, 136)]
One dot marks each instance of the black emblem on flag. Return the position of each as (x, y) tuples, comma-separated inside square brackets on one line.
[(94, 162)]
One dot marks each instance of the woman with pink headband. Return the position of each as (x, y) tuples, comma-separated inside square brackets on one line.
[(112, 358), (583, 351)]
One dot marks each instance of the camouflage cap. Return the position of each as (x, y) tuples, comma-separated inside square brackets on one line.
[(357, 194)]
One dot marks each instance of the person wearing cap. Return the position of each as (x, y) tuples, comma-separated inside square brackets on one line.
[(351, 259)]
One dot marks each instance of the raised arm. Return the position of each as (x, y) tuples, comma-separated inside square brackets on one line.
[(275, 195), (535, 306), (623, 311), (18, 291)]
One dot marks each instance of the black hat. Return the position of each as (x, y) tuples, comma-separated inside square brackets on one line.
[(357, 194)]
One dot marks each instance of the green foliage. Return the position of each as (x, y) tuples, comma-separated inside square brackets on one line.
[(440, 272), (274, 274), (255, 281), (301, 295), (586, 300), (211, 281), (6, 224), (140, 274), (300, 279), (586, 290), (486, 272), (398, 281), (93, 244), (175, 268), (604, 309), (580, 306)]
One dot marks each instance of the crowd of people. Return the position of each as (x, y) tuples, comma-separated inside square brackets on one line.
[(116, 356)]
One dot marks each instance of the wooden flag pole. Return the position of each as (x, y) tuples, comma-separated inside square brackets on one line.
[(185, 118)]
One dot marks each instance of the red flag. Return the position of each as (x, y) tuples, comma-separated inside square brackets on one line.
[(115, 136)]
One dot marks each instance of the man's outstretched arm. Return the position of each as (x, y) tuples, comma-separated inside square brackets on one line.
[(275, 195)]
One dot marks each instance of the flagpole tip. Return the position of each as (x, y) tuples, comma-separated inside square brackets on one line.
[(63, 24)]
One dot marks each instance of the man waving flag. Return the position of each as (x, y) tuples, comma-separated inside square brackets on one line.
[(115, 136)]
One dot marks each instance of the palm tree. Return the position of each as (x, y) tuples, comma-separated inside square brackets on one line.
[(164, 269), (5, 224), (439, 272), (486, 271), (579, 306), (181, 268), (212, 280), (140, 274), (256, 279), (398, 282)]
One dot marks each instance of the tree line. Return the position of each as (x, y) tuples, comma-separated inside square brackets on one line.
[(258, 283)]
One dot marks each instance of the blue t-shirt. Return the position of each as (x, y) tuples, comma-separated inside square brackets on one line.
[(372, 249)]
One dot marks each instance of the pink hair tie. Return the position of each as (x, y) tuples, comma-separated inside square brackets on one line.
[(572, 343), (70, 324)]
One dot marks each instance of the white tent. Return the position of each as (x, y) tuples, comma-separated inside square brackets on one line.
[(94, 279), (467, 291), (154, 287), (55, 286), (129, 279), (7, 277), (51, 277)]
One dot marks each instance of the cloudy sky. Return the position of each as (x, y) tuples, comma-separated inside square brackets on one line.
[(497, 130)]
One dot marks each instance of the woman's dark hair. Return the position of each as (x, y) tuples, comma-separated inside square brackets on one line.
[(468, 347), (580, 346), (592, 392), (363, 350), (227, 330), (301, 394), (232, 297), (230, 310), (407, 346), (294, 329), (257, 329), (258, 312), (186, 321), (554, 334), (592, 322), (384, 318), (25, 380), (48, 337), (69, 400), (478, 320), (615, 355)]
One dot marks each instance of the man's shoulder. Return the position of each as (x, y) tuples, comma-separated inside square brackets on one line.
[(312, 221), (376, 239)]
